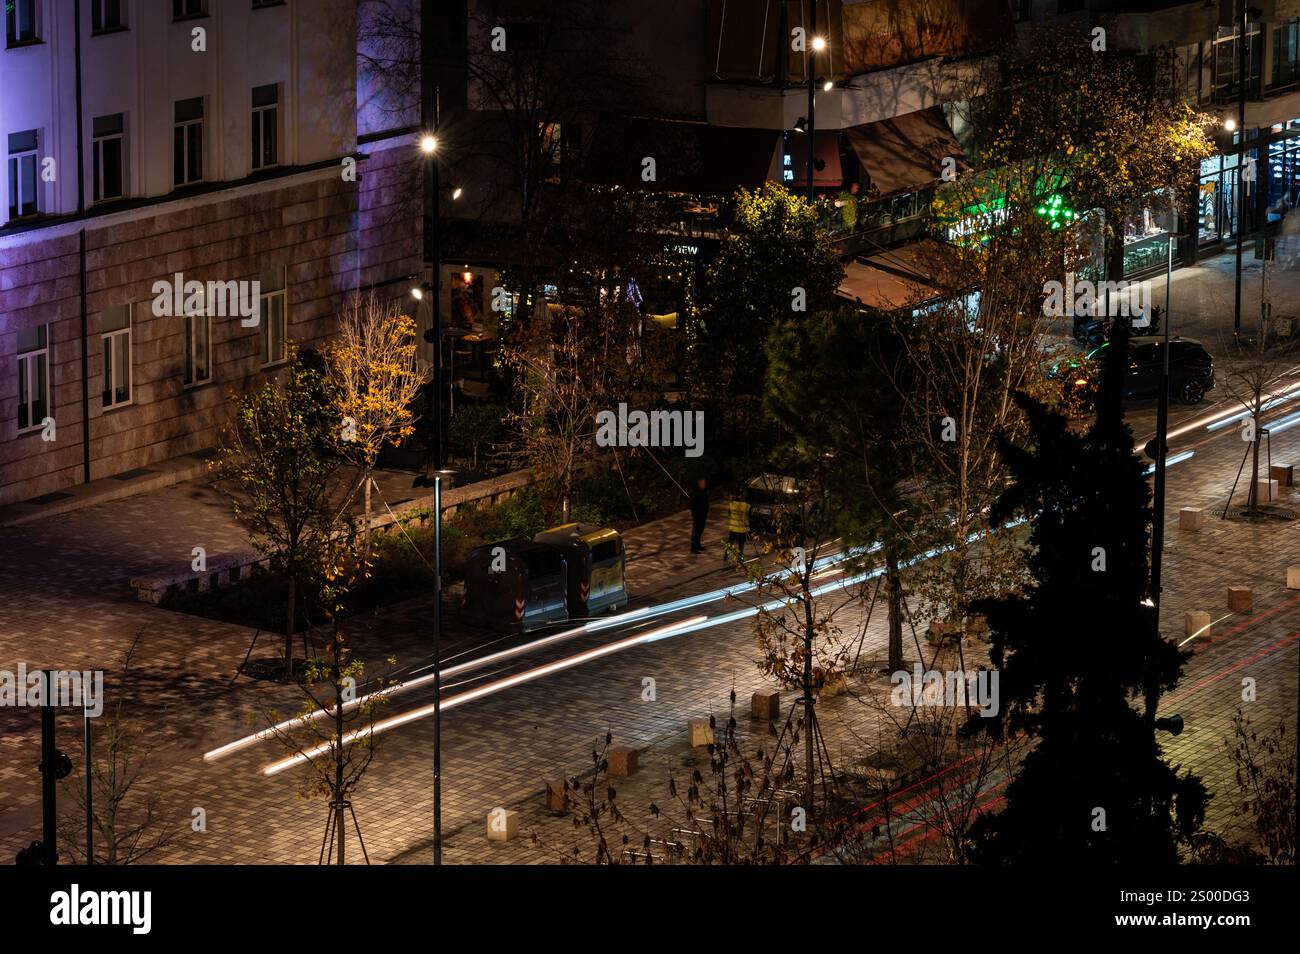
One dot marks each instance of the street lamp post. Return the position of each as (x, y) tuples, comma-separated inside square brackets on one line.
[(814, 44), (437, 670), (1243, 59), (432, 265), (1161, 451)]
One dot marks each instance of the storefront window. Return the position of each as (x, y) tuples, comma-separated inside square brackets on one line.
[(1217, 212), (1146, 236)]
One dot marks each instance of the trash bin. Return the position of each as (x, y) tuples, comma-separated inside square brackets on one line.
[(515, 584), (596, 559)]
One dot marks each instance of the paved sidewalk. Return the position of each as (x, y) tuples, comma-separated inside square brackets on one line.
[(63, 602)]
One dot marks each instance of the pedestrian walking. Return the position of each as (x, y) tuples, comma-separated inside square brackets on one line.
[(738, 521), (699, 513)]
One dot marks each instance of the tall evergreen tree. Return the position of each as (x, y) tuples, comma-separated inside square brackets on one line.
[(1075, 648)]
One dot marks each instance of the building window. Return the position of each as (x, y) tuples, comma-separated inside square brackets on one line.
[(184, 9), (1286, 52), (33, 376), (266, 111), (1228, 51), (22, 174), (187, 153), (115, 335), (107, 162), (106, 16), (198, 348), (274, 318), (20, 22)]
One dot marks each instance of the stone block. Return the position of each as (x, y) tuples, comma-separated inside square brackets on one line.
[(557, 795), (1191, 518), (1197, 622), (502, 825), (701, 732), (765, 704), (1266, 490), (1293, 577), (1240, 599), (622, 760)]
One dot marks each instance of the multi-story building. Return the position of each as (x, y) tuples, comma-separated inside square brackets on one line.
[(1197, 49), (165, 141)]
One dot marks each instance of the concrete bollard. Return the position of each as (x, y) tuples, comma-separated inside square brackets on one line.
[(622, 760), (557, 795), (1191, 518), (1293, 577), (701, 732), (765, 704), (1240, 599), (1196, 623), (502, 825), (1283, 474)]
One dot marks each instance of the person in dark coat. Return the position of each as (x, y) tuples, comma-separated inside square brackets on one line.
[(699, 513)]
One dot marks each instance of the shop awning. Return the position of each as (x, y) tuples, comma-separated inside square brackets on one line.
[(905, 153), (896, 278), (826, 158)]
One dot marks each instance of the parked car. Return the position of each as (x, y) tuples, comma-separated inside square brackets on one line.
[(1191, 371)]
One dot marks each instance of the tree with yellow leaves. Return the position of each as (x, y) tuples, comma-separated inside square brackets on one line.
[(376, 376)]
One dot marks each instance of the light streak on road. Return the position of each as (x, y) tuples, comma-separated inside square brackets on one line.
[(385, 725), (1172, 459), (821, 566), (1267, 406), (1283, 423), (694, 624), (1213, 622)]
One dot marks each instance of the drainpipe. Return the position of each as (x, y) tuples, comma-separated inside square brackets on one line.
[(81, 260)]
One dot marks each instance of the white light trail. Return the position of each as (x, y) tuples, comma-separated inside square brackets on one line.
[(694, 624), (820, 565), (385, 725)]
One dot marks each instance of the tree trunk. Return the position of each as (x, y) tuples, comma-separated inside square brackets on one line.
[(894, 584), (365, 539), (340, 826), (1252, 498), (288, 628)]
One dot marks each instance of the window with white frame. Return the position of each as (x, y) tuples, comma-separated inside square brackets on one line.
[(20, 22), (107, 161), (187, 142), (198, 347), (115, 336), (266, 125), (106, 16), (33, 376), (23, 191), (275, 322)]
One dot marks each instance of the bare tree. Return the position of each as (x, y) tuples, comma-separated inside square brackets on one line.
[(127, 809)]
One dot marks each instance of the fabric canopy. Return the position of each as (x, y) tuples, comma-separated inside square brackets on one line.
[(906, 152)]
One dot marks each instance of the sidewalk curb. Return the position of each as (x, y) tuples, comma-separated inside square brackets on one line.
[(105, 490)]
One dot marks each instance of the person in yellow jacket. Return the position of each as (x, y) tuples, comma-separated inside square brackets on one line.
[(738, 521)]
